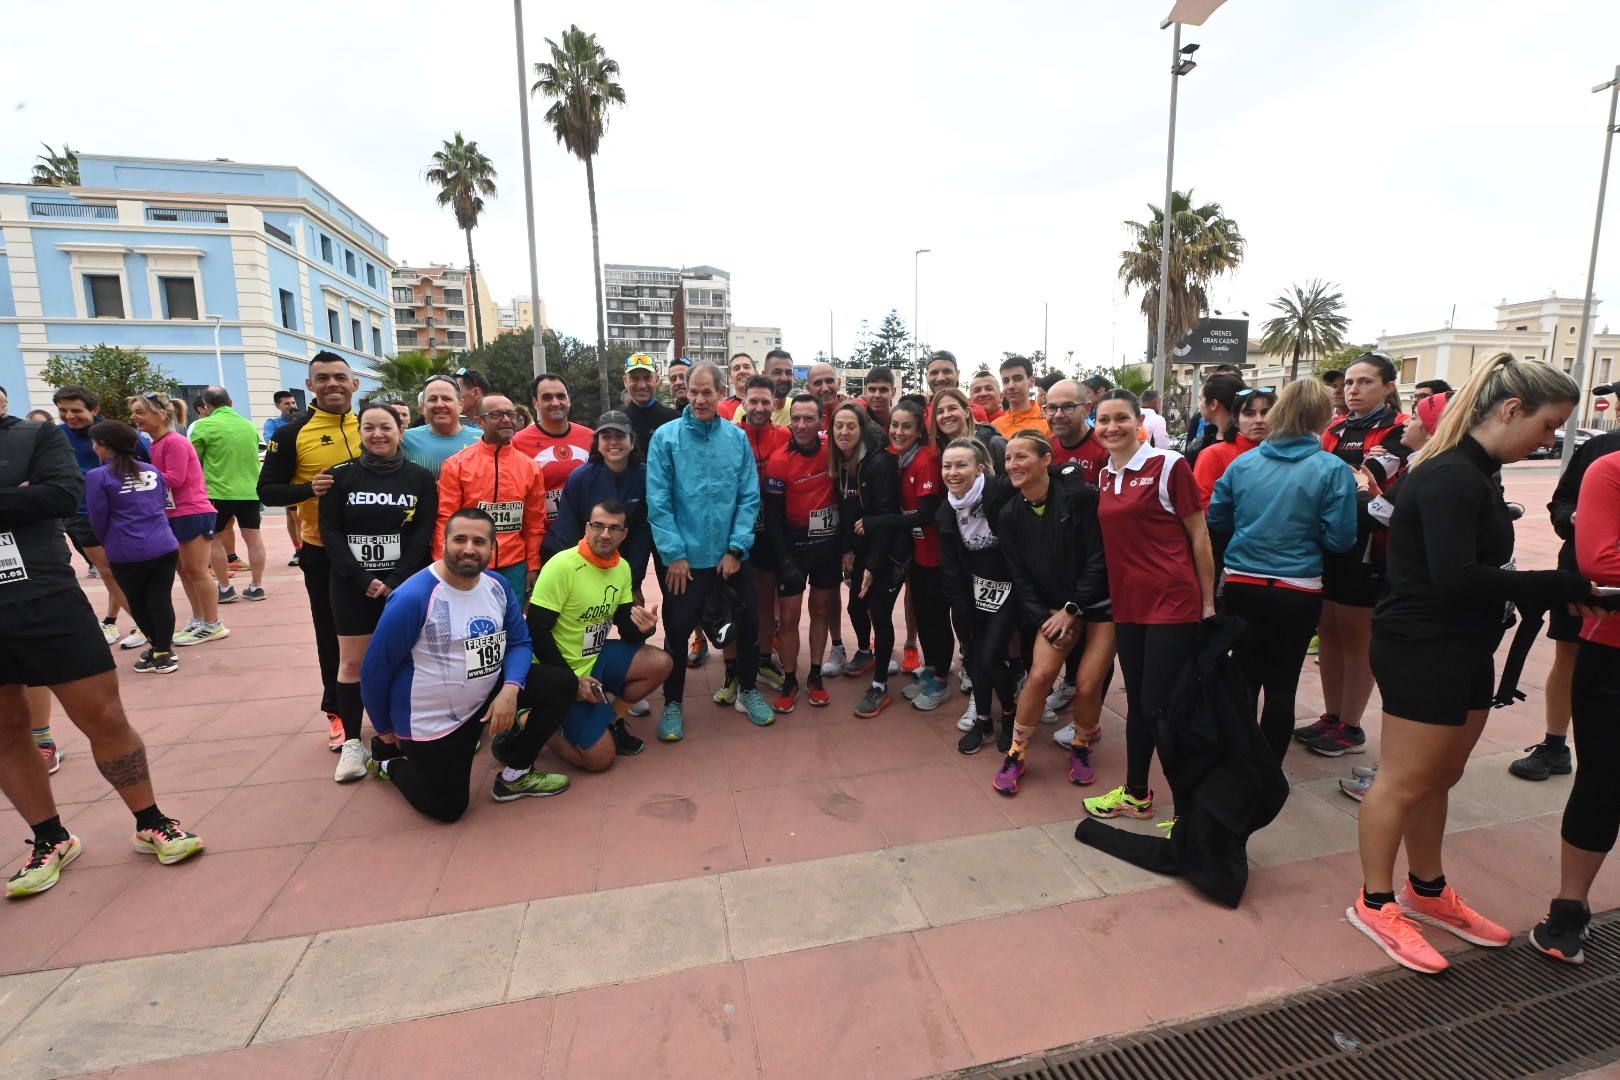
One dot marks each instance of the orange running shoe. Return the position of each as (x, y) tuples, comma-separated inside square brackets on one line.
[(1397, 935), (334, 732), (911, 660), (1450, 913)]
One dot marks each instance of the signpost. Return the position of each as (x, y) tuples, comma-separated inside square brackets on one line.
[(1601, 404), (1214, 341)]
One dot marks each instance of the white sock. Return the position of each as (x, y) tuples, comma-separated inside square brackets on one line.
[(512, 776), (382, 766)]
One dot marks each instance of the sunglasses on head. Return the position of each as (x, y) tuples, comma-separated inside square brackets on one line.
[(1247, 390)]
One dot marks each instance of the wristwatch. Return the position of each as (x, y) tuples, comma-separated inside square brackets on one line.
[(735, 554), (1072, 608)]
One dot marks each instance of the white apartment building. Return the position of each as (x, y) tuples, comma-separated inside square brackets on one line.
[(756, 341)]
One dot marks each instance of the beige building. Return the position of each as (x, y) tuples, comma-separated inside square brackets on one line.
[(433, 308), (756, 341), (518, 316)]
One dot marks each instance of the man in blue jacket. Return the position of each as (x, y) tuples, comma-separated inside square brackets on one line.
[(702, 501)]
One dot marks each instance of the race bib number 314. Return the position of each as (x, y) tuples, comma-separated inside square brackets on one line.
[(508, 515)]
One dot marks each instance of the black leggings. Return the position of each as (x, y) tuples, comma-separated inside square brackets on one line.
[(1592, 815), (985, 642), (871, 617), (148, 586), (933, 613), (681, 617), (433, 774), (317, 571), (1278, 624), (1150, 658)]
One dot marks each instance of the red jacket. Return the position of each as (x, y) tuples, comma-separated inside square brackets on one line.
[(507, 484)]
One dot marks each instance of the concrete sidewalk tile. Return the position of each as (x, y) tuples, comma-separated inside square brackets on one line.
[(20, 993), (795, 755), (175, 723), (1299, 911), (990, 970), (35, 928), (358, 882), (192, 766), (812, 820), (1111, 875), (495, 1041), (159, 910), (150, 1009), (899, 738), (664, 771), (690, 1024), (377, 808), (270, 815), (397, 971), (301, 756), (1306, 828), (296, 1059), (973, 876), (555, 845), (570, 942), (927, 802), (669, 838), (866, 1008), (802, 905), (1487, 780)]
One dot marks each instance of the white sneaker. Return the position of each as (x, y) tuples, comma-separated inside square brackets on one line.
[(837, 657), (352, 762), (199, 632), (109, 631), (1064, 736), (134, 640), (970, 717), (1049, 716), (641, 708), (894, 666), (965, 680), (1062, 693)]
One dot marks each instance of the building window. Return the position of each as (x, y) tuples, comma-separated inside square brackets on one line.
[(376, 341), (1572, 331), (404, 315), (1603, 370), (348, 262), (403, 295), (454, 296), (354, 335), (1408, 369), (405, 337), (371, 276), (1569, 364), (179, 297), (456, 338), (332, 333), (104, 293), (289, 315)]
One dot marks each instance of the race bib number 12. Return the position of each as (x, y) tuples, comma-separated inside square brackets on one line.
[(823, 522)]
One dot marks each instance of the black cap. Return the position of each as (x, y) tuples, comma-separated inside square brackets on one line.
[(943, 354), (614, 420)]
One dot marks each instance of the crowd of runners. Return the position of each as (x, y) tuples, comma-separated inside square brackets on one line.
[(483, 576)]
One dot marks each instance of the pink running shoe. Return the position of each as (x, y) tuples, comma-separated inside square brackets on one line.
[(52, 755), (1012, 770), (1397, 935), (1080, 768), (1450, 913)]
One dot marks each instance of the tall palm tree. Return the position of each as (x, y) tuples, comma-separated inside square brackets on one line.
[(1311, 323), (464, 176), (580, 81), (57, 170), (403, 375), (1204, 244)]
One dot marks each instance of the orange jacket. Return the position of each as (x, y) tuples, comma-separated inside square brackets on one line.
[(508, 484)]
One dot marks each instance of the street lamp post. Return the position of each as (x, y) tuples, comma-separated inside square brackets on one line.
[(1181, 63), (219, 361), (1579, 374), (916, 327), (539, 358)]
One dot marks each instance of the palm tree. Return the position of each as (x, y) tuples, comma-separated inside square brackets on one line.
[(1310, 323), (580, 80), (57, 170), (1205, 244), (403, 375), (464, 176)]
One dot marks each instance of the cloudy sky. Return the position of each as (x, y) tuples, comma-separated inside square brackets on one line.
[(1420, 155)]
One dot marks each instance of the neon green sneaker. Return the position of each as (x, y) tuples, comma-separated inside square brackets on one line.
[(727, 694), (44, 867), (169, 842), (531, 784), (1119, 803)]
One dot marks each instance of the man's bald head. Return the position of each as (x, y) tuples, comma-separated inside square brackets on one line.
[(1065, 411), (822, 382)]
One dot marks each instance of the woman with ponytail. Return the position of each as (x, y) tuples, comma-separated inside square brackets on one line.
[(1435, 633)]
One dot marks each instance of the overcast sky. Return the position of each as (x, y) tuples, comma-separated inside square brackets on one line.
[(1420, 155)]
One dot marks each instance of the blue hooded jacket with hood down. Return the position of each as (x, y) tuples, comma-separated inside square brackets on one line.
[(1285, 504), (702, 490)]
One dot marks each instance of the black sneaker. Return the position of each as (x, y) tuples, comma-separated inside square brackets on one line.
[(1314, 728), (1543, 761), (624, 743), (157, 663), (1561, 934), (982, 731)]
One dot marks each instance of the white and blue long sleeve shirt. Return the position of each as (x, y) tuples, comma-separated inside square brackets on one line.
[(440, 652)]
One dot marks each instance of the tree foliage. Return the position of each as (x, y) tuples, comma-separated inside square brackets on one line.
[(402, 376), (114, 375), (464, 176), (57, 170), (1204, 243), (507, 361), (1311, 324), (1136, 378), (890, 346)]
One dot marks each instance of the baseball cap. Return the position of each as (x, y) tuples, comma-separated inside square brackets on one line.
[(614, 420), (1430, 409), (681, 361), (640, 362), (943, 354)]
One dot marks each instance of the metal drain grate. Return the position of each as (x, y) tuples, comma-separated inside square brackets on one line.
[(1503, 1013)]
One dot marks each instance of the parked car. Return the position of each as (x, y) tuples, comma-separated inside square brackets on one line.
[(1581, 436)]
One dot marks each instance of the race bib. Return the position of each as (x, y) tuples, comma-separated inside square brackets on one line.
[(823, 523), (553, 503), (917, 532), (990, 595), (508, 515), (379, 552), (485, 654), (595, 635), (168, 499), (11, 564)]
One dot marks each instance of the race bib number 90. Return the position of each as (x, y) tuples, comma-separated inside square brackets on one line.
[(508, 515), (990, 595), (485, 654), (11, 564), (595, 635), (823, 523), (376, 552)]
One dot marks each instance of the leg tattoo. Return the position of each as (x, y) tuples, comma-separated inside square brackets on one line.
[(126, 771)]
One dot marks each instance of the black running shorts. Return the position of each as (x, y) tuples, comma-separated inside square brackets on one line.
[(1434, 680), (51, 640)]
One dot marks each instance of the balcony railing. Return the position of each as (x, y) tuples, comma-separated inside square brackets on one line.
[(185, 215), (82, 211)]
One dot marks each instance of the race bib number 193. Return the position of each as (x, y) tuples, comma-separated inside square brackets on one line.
[(485, 654)]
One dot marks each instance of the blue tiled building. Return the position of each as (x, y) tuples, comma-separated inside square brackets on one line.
[(145, 253)]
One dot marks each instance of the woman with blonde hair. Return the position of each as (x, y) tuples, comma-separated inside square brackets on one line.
[(1435, 633)]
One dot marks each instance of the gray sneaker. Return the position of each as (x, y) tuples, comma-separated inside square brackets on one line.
[(933, 694), (253, 592), (228, 595), (199, 632)]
